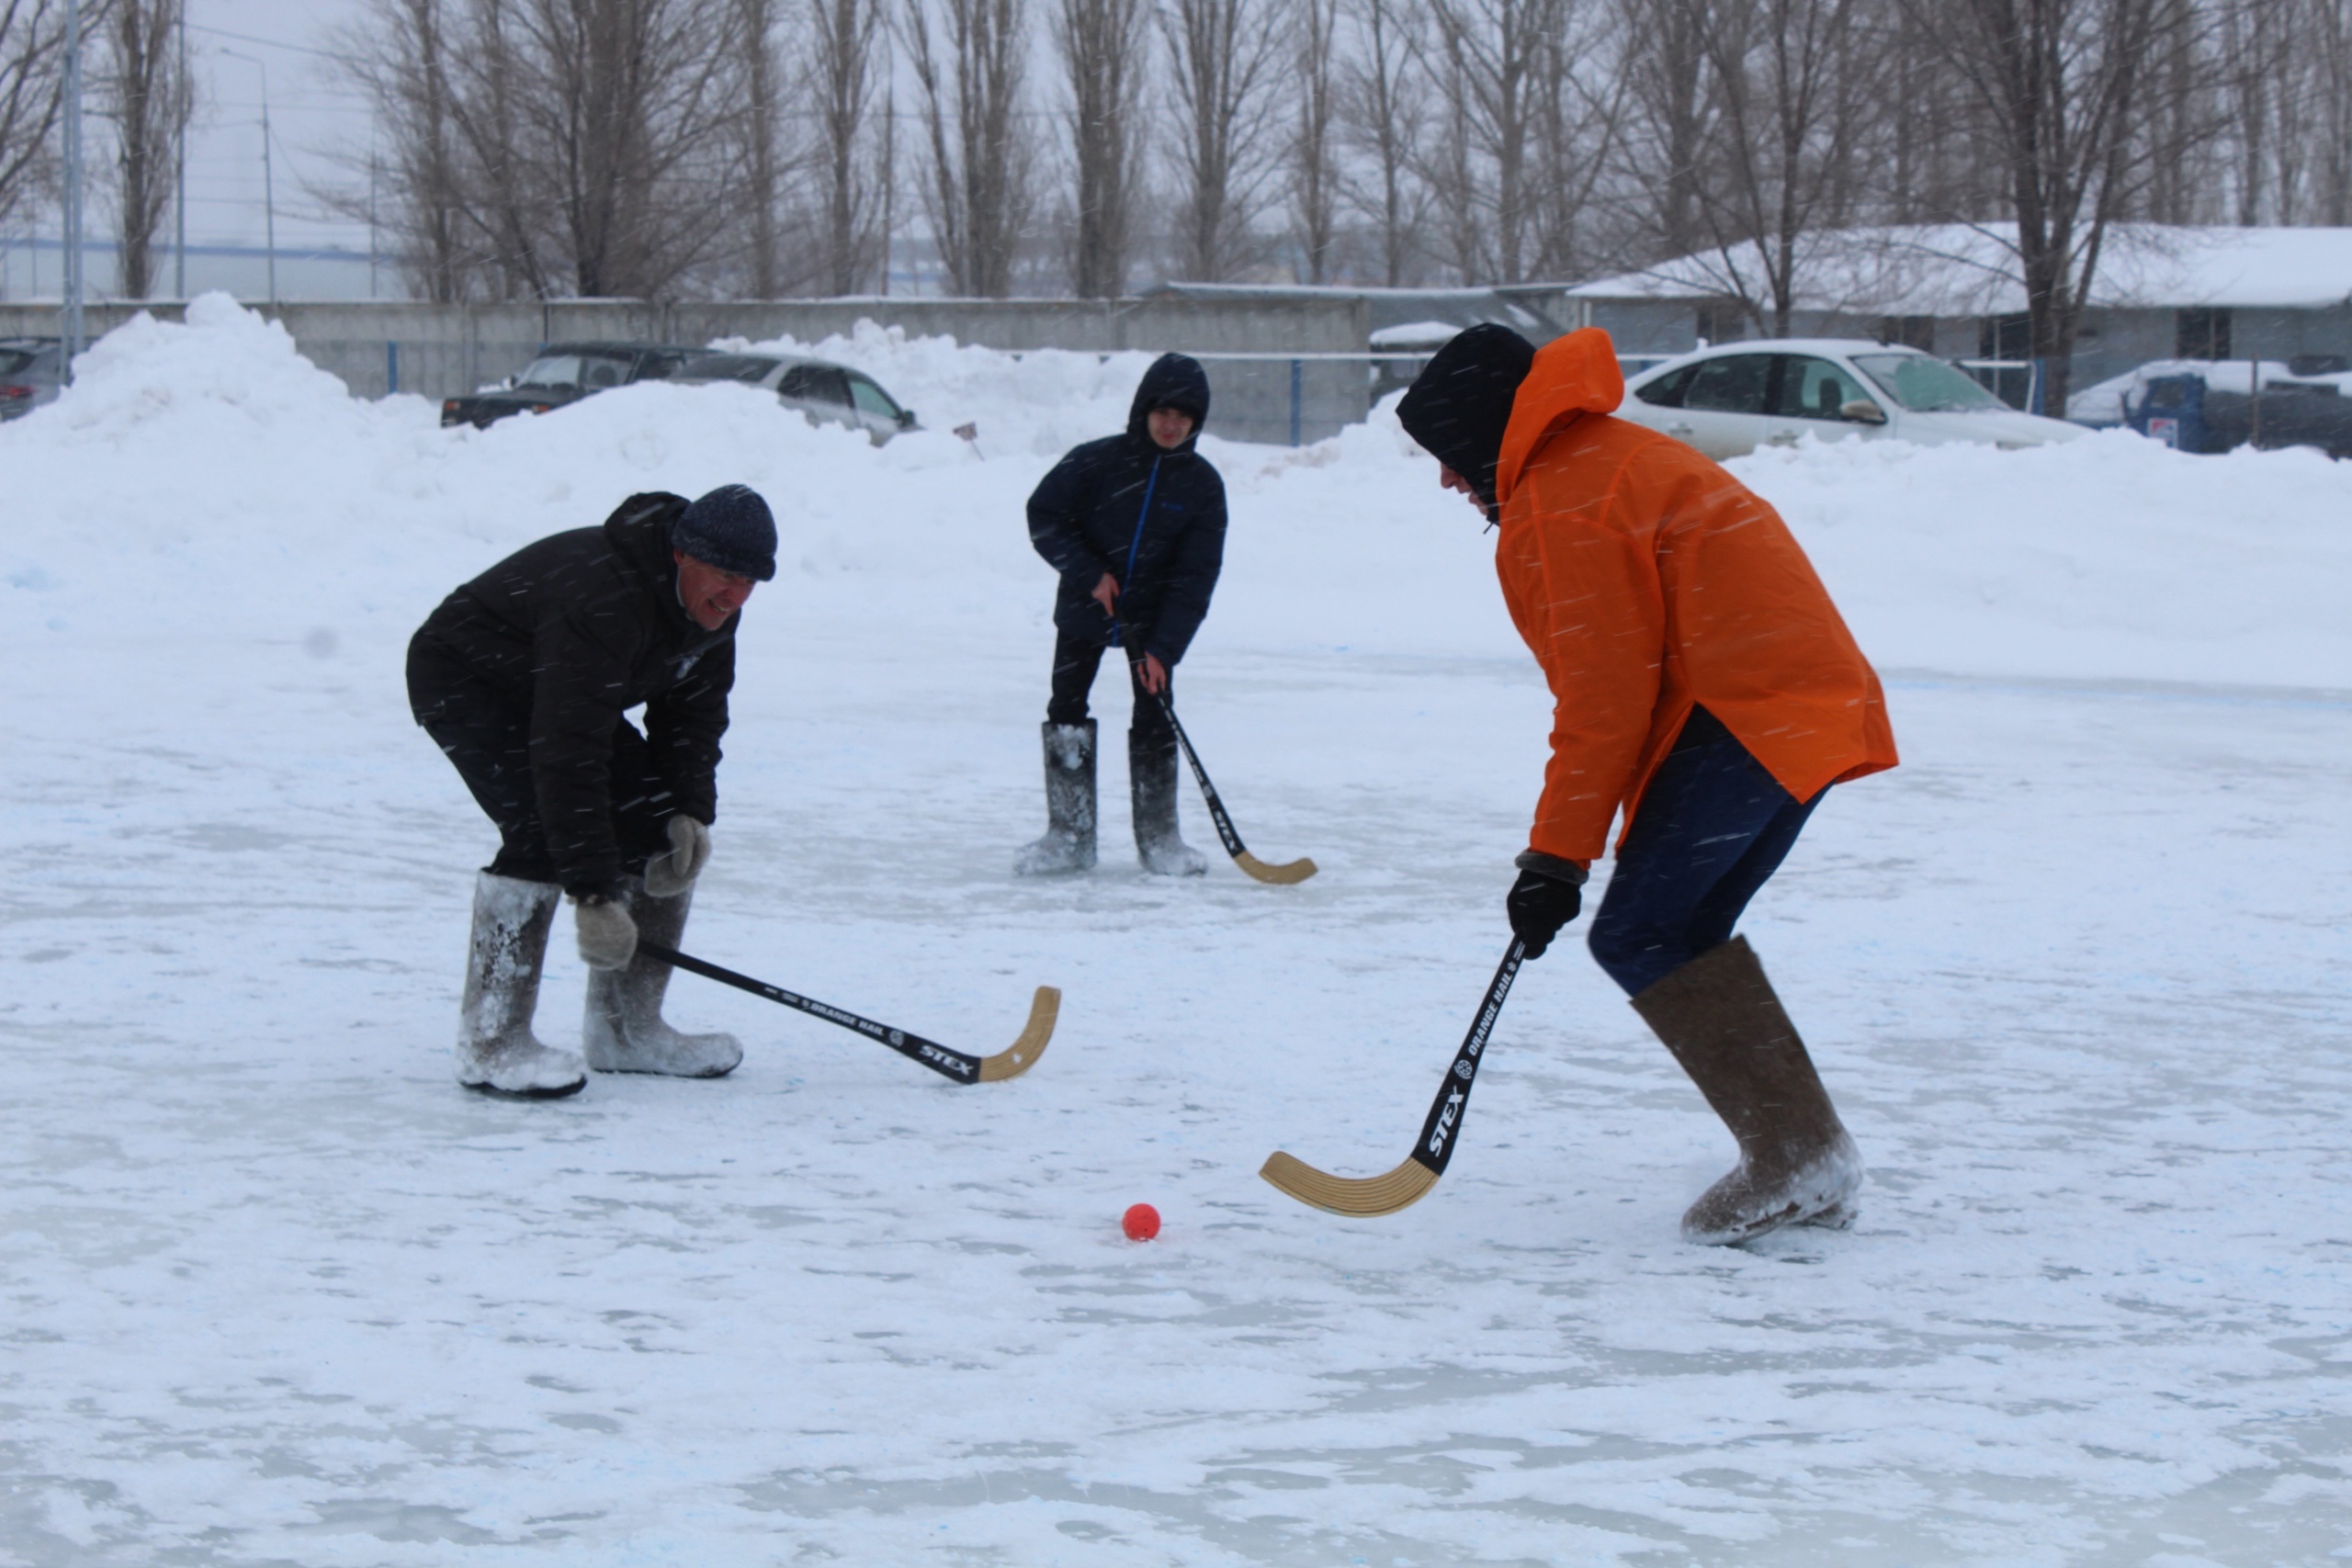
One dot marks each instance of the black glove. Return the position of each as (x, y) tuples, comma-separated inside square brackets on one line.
[(1546, 896)]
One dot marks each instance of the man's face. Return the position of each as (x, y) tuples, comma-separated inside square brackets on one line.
[(1460, 487), (709, 595), (1169, 427)]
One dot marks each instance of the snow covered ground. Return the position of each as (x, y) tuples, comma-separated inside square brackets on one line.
[(277, 1292)]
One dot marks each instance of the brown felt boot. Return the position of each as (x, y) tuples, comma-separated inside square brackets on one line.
[(1719, 1016)]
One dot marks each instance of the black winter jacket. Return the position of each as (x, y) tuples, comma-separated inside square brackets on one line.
[(1154, 520), (572, 632)]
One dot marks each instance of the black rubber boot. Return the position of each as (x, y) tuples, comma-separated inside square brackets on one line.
[(1069, 843), (1719, 1015), (1151, 792)]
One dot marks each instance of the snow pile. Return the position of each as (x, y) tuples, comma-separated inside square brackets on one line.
[(206, 477), (2109, 558), (1039, 402)]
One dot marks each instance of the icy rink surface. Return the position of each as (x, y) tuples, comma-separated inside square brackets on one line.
[(277, 1292)]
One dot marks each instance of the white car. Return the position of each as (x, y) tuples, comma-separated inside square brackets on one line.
[(827, 393), (1729, 400)]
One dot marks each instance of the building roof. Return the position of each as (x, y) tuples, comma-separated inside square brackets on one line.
[(1531, 308), (1964, 269)]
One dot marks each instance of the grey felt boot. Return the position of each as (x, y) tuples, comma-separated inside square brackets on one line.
[(1069, 843), (623, 1031), (1719, 1016), (496, 1051), (1151, 793)]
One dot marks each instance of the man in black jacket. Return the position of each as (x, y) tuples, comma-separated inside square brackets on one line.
[(522, 677), (1135, 524)]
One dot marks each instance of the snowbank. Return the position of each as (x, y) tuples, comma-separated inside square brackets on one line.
[(206, 479)]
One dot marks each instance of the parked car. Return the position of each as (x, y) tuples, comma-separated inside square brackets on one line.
[(29, 374), (828, 394), (2188, 412), (565, 373), (2219, 405), (1730, 400)]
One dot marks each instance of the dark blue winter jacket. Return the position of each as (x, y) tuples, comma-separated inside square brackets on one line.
[(1153, 519)]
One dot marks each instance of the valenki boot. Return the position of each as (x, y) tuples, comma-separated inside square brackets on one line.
[(623, 1031), (1719, 1016), (1069, 843), (1151, 793), (496, 1051)]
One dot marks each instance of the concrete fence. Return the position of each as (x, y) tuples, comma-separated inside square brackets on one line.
[(1281, 371)]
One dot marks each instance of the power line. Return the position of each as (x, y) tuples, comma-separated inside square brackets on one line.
[(271, 43)]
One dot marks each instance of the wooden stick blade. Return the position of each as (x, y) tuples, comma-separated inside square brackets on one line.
[(1365, 1197), (1283, 875), (1022, 1054)]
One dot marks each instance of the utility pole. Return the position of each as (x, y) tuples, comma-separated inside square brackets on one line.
[(71, 327), (268, 183), (179, 173)]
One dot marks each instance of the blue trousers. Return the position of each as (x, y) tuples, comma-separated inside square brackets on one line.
[(1711, 830)]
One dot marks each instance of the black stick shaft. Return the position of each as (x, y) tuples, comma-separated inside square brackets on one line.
[(1233, 844), (1440, 1130), (947, 1063)]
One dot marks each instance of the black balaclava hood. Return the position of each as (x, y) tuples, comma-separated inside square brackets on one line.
[(1174, 381), (1458, 406)]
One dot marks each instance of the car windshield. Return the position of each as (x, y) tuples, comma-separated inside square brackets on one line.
[(552, 370), (573, 370), (1926, 384), (14, 359), (726, 367)]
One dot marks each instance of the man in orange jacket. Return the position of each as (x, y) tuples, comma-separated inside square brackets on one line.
[(1705, 688)]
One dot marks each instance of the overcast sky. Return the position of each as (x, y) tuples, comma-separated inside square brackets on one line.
[(312, 114)]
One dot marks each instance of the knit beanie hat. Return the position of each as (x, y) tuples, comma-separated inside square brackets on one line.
[(1460, 404), (731, 529)]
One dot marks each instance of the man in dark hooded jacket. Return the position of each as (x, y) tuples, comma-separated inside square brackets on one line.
[(1135, 524), (522, 677)]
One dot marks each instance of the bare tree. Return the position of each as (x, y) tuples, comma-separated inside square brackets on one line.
[(1792, 89), (1103, 44), (844, 64), (32, 83), (1383, 109), (1580, 114), (2329, 47), (1672, 121), (1224, 54), (550, 147), (147, 97), (1314, 150), (1488, 60), (2058, 82), (763, 153), (977, 197), (399, 56)]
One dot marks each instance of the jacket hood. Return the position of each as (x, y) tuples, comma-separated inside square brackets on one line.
[(1174, 381), (1574, 374), (1458, 406)]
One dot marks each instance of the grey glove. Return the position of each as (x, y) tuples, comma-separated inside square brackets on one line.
[(668, 875), (607, 936)]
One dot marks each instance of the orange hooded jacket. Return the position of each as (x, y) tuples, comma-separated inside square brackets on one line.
[(1645, 578)]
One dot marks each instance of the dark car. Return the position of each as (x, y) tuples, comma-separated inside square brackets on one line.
[(565, 373), (2184, 412), (827, 393), (28, 377)]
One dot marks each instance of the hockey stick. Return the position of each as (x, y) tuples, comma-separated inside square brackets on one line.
[(1009, 1063), (1298, 870), (1408, 1182)]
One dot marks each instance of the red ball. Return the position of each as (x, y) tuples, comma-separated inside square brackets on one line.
[(1141, 1222)]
